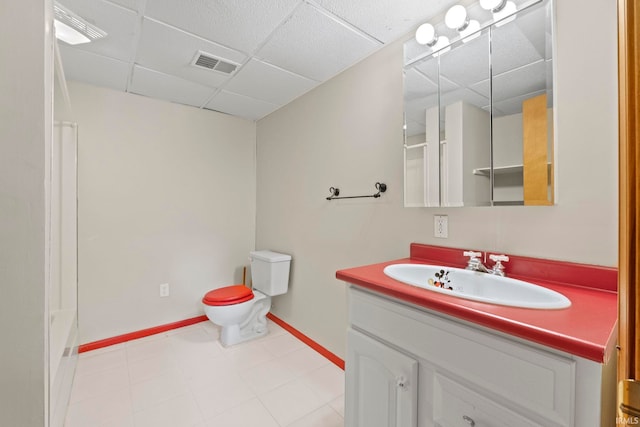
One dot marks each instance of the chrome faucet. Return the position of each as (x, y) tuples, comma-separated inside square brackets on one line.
[(475, 264), (498, 268)]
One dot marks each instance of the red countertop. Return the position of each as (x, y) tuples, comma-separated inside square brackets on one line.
[(588, 328)]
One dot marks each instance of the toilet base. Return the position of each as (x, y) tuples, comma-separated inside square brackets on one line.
[(254, 326)]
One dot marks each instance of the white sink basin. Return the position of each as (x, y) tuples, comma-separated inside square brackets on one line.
[(477, 286)]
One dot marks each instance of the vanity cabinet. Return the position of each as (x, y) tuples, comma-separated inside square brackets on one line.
[(409, 366)]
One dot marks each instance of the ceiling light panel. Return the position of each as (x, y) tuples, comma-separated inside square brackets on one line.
[(240, 105), (162, 86), (172, 51), (117, 22), (241, 25), (87, 67), (269, 83), (315, 46), (386, 20)]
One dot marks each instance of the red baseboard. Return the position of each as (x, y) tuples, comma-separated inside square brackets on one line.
[(308, 341), (175, 325), (139, 334)]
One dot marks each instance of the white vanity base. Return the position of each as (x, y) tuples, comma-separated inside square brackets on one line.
[(408, 366)]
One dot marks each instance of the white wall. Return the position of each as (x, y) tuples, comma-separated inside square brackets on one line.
[(25, 132), (347, 133), (166, 195)]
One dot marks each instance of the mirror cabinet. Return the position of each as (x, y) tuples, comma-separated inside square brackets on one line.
[(479, 115)]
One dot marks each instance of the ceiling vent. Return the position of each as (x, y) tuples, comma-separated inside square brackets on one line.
[(210, 62)]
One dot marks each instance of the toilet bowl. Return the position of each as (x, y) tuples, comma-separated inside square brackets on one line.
[(241, 312)]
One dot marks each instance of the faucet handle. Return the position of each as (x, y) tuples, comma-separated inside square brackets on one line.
[(472, 254), (498, 268), (499, 258)]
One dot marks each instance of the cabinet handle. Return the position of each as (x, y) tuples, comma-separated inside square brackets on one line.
[(401, 383), (469, 420)]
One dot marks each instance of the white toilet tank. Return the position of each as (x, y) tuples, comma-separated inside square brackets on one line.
[(270, 272)]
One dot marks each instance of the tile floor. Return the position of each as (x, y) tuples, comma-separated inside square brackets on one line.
[(185, 378)]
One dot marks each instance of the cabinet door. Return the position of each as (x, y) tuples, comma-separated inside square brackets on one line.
[(381, 384)]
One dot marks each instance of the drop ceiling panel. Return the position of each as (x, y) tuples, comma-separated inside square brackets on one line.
[(240, 105), (466, 95), (241, 25), (417, 85), (162, 86), (467, 63), (528, 79), (119, 23), (129, 4), (269, 83), (386, 20), (171, 51), (315, 46), (514, 105), (483, 88), (510, 48), (97, 70)]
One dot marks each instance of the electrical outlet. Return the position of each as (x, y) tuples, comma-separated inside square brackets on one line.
[(441, 226), (164, 290)]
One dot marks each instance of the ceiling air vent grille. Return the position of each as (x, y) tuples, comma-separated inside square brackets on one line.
[(210, 62)]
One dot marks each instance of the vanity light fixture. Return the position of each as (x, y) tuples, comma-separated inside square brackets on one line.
[(509, 10), (426, 35), (500, 9), (441, 46), (458, 19), (73, 29)]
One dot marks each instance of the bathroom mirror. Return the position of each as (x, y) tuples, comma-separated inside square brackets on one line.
[(479, 115), (422, 134)]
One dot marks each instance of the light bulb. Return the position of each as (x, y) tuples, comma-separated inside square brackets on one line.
[(439, 47), (509, 9), (471, 32), (456, 18), (426, 34), (492, 5)]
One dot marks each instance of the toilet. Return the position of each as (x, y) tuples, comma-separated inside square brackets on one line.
[(240, 311)]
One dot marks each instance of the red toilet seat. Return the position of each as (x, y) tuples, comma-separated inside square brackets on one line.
[(228, 295)]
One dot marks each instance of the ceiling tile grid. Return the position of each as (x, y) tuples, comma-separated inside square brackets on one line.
[(87, 67), (171, 51), (163, 86), (240, 105), (269, 83), (241, 25), (282, 48), (386, 20), (118, 22), (314, 45)]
